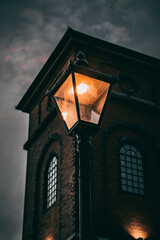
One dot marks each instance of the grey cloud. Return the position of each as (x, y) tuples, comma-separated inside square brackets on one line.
[(110, 32), (13, 163), (24, 51), (141, 19)]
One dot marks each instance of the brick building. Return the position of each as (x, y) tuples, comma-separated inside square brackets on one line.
[(125, 151)]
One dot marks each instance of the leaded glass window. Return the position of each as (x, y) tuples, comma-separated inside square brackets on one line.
[(52, 182), (132, 170)]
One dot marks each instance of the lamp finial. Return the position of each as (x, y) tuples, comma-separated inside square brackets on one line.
[(80, 59)]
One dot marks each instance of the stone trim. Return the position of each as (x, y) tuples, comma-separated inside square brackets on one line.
[(40, 129), (122, 78), (150, 106), (133, 126)]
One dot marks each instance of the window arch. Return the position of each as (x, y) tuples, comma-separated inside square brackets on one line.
[(51, 186), (131, 168)]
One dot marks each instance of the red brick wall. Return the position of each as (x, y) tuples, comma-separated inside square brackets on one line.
[(48, 222), (118, 213), (115, 214)]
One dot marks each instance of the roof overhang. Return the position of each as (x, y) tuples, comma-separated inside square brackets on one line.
[(70, 41)]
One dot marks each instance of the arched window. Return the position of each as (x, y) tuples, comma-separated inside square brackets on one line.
[(52, 182), (132, 171)]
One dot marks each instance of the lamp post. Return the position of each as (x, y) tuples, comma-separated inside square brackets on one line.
[(80, 95)]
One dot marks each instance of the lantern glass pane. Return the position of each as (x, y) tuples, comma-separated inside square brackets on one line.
[(66, 102), (92, 94)]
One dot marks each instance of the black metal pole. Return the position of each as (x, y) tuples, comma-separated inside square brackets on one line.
[(84, 148)]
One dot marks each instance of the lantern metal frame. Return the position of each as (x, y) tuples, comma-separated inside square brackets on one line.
[(81, 66)]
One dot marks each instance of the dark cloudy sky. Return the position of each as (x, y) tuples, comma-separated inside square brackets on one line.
[(29, 31)]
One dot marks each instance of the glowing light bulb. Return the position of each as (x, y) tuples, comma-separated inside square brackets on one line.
[(82, 88)]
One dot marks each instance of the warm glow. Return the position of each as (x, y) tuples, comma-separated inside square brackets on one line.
[(137, 233), (90, 95), (64, 114), (81, 89), (49, 238), (137, 230)]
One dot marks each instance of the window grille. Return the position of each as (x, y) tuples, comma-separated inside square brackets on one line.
[(132, 171), (52, 182)]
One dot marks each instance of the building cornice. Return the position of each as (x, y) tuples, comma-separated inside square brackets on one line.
[(40, 129), (73, 39), (138, 102)]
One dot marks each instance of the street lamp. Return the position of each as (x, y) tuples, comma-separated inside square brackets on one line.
[(80, 96)]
